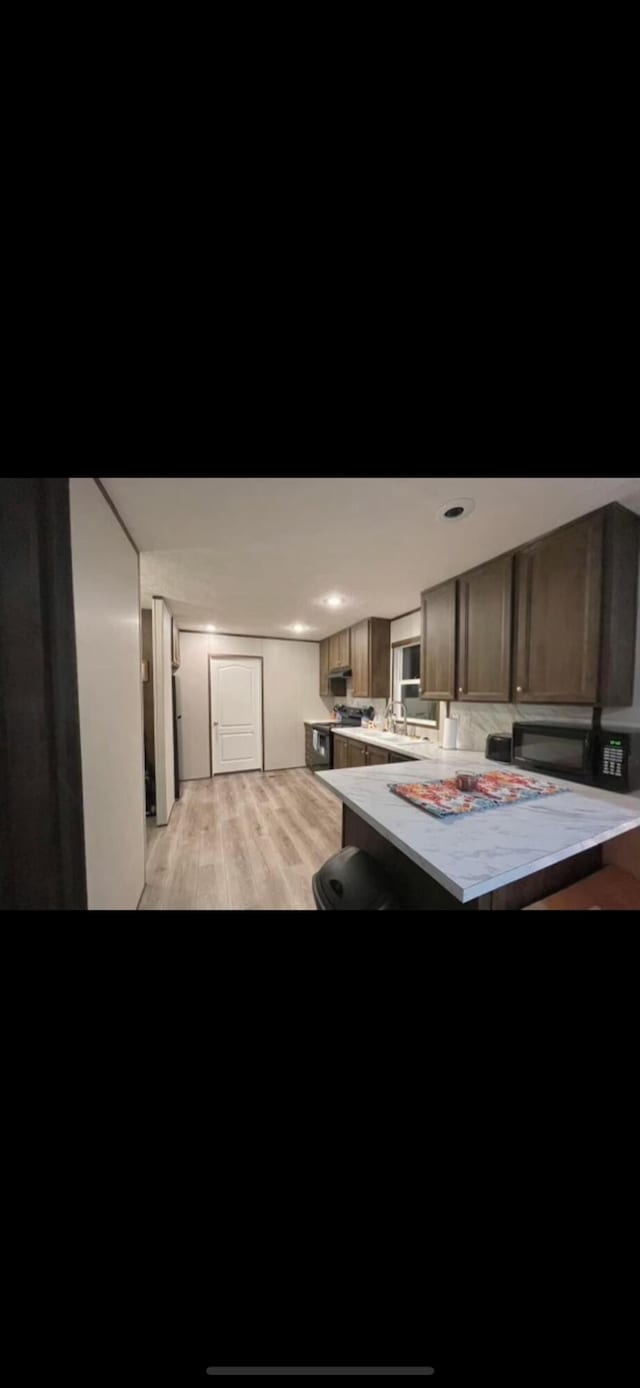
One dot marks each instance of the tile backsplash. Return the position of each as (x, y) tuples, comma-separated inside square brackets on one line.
[(476, 721), (432, 734), (378, 704)]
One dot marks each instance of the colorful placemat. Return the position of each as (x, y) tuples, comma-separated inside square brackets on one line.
[(495, 788)]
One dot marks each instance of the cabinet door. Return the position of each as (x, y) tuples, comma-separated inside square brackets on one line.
[(340, 753), (324, 668), (376, 756), (484, 632), (558, 599), (356, 754), (379, 658), (344, 638), (360, 660), (438, 642), (334, 651), (396, 756)]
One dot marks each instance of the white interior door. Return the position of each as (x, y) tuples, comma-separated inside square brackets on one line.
[(236, 713)]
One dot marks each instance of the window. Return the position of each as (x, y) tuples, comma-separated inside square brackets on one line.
[(406, 685)]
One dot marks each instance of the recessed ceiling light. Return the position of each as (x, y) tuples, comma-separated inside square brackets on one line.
[(210, 628), (299, 626), (334, 600), (456, 510)]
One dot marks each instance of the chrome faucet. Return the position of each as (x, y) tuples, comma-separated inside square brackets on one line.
[(394, 720)]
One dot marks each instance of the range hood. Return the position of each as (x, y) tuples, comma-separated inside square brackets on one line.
[(340, 672)]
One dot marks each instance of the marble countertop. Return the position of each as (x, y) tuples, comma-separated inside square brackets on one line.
[(477, 853)]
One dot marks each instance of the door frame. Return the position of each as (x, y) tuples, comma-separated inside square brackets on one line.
[(220, 655)]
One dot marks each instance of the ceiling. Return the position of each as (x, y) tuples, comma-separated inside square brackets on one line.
[(254, 555)]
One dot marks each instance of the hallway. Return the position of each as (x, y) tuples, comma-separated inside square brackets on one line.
[(243, 841)]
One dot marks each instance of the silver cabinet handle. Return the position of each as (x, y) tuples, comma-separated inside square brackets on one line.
[(215, 725), (460, 689), (518, 689)]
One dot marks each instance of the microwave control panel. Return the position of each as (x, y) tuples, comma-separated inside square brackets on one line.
[(612, 756), (618, 759)]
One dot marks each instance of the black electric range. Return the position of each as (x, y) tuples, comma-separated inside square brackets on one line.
[(351, 717)]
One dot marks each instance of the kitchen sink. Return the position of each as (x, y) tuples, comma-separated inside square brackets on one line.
[(398, 739)]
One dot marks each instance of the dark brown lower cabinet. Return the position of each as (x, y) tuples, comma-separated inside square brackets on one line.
[(377, 756), (350, 753), (340, 753), (357, 754)]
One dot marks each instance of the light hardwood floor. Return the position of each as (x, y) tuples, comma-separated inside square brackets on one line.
[(243, 841)]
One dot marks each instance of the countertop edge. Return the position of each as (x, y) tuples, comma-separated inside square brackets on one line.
[(385, 833), (488, 884)]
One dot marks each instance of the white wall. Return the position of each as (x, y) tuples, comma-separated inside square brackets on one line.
[(163, 711), (406, 628), (291, 684), (107, 619), (291, 694)]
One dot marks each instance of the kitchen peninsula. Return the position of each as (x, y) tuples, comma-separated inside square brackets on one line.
[(504, 858)]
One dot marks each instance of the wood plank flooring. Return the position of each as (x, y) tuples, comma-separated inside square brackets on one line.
[(245, 841)]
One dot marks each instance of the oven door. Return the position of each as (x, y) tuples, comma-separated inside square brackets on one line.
[(554, 749), (320, 750)]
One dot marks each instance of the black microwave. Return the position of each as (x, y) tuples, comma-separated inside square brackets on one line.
[(604, 757)]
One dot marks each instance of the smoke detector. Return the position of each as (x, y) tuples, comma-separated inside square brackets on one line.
[(456, 510)]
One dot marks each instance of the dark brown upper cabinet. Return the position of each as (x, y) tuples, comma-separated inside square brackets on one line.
[(371, 658), (324, 667), (438, 642), (340, 650), (576, 612), (329, 685), (484, 632)]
